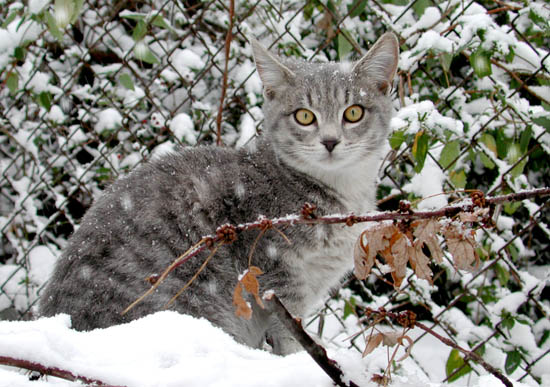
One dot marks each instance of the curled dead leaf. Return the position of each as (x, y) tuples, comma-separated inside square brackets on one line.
[(420, 262), (462, 245), (476, 216), (368, 245), (389, 339), (248, 282), (397, 256), (242, 308), (425, 232)]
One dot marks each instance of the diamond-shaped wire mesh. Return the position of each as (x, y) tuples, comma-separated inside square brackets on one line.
[(130, 79)]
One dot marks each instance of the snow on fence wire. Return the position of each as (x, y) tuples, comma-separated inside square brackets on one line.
[(89, 92)]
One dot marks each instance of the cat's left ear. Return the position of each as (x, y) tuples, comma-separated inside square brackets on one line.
[(272, 72), (380, 63)]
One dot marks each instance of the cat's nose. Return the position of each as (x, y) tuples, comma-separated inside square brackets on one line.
[(330, 143)]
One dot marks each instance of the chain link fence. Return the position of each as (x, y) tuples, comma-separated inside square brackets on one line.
[(90, 92)]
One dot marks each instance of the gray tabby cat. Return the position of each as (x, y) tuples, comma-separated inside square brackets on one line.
[(325, 126)]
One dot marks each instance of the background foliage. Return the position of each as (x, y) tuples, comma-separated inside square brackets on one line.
[(91, 89)]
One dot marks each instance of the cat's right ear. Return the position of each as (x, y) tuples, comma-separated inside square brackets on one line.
[(380, 63), (272, 72)]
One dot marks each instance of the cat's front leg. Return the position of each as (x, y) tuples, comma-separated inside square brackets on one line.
[(282, 341)]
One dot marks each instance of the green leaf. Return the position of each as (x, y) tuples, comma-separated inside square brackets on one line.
[(419, 6), (481, 62), (502, 144), (45, 100), (349, 307), (513, 360), (126, 80), (52, 27), (449, 153), (507, 320), (11, 17), (344, 46), (140, 30), (511, 54), (446, 58), (514, 153), (19, 53), (458, 178), (455, 362), (133, 15), (143, 53), (544, 122), (510, 208), (150, 58), (397, 138), (487, 162), (524, 139), (489, 141), (77, 8), (158, 20), (357, 7), (518, 169), (420, 149), (503, 275), (12, 82)]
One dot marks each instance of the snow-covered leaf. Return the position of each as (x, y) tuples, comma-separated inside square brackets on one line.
[(481, 63), (370, 242), (462, 246), (425, 232)]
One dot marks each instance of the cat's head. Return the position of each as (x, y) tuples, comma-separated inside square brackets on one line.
[(328, 116)]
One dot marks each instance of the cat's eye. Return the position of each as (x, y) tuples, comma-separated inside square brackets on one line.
[(304, 117), (353, 113)]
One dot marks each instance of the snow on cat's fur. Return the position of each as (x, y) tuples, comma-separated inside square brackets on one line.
[(324, 129)]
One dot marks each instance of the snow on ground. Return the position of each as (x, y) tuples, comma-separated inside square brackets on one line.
[(169, 349)]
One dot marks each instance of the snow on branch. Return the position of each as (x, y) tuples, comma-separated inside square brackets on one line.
[(478, 206)]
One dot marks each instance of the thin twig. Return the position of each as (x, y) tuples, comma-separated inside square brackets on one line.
[(228, 39), (469, 354), (51, 371), (317, 352), (290, 220), (408, 320), (195, 275)]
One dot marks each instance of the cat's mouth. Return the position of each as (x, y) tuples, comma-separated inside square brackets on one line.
[(332, 160)]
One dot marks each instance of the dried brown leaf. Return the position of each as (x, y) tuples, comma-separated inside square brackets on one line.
[(371, 241), (250, 283), (374, 341), (388, 339), (425, 231), (409, 348), (476, 216), (242, 307), (397, 256), (420, 262), (462, 245)]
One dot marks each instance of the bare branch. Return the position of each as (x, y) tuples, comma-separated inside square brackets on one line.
[(294, 326), (51, 371), (228, 233), (408, 320), (228, 39)]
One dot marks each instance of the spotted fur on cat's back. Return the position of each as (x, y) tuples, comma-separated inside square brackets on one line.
[(324, 129)]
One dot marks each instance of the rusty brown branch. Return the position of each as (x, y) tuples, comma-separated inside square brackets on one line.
[(229, 233), (51, 371), (408, 320), (228, 39), (317, 352)]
